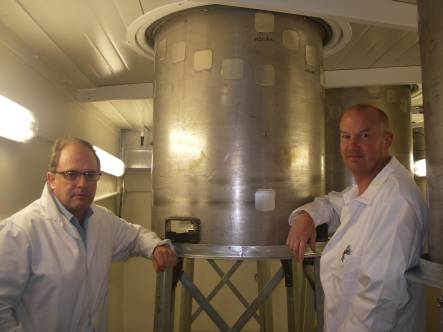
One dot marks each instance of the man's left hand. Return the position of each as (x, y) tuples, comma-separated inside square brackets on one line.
[(163, 257)]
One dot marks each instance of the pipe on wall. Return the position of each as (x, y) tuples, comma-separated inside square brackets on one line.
[(430, 29)]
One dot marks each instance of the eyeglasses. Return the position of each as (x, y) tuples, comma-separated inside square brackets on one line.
[(71, 176)]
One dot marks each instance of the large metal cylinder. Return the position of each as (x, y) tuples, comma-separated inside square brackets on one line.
[(430, 26), (394, 100), (238, 122)]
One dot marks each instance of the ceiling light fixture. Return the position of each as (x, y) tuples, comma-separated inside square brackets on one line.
[(17, 123), (109, 163)]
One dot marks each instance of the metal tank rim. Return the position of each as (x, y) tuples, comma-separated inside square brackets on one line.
[(211, 251), (139, 34)]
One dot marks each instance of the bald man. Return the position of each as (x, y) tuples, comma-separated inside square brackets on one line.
[(378, 226)]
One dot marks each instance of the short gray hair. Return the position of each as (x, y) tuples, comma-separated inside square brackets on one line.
[(382, 116), (60, 144)]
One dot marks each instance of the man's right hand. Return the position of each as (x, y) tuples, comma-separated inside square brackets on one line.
[(163, 257), (302, 231)]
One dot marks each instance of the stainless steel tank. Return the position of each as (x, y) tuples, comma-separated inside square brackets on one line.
[(394, 100), (238, 121)]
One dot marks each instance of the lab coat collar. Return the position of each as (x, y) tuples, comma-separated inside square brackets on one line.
[(374, 187), (49, 205)]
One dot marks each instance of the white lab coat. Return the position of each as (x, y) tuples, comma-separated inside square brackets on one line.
[(379, 235), (49, 282)]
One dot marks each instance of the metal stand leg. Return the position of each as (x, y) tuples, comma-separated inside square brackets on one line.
[(186, 298), (319, 296), (299, 295), (440, 303), (266, 319), (163, 302), (289, 285)]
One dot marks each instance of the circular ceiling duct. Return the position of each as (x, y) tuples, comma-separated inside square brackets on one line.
[(338, 32)]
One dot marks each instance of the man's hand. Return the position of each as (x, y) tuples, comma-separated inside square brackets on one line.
[(163, 257), (302, 231)]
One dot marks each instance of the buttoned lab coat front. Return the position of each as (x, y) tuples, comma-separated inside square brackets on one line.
[(379, 235), (49, 281)]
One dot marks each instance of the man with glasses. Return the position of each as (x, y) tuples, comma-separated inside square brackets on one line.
[(56, 253)]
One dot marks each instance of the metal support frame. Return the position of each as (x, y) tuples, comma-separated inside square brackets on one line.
[(201, 300), (231, 286), (429, 273), (167, 281), (258, 301), (224, 281)]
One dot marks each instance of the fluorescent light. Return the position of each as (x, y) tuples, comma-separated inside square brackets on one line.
[(109, 163), (420, 167), (16, 122)]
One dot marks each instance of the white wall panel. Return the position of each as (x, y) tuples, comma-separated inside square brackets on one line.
[(23, 166)]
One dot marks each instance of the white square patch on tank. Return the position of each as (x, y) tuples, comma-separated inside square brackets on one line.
[(265, 75), (178, 51), (264, 22), (202, 60), (265, 199), (291, 40), (232, 69)]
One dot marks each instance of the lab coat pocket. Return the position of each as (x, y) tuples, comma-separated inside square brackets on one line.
[(343, 285), (351, 275), (351, 267)]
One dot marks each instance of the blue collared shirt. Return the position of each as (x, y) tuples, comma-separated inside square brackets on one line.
[(81, 228)]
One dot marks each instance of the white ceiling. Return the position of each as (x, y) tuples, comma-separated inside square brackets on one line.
[(85, 45)]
